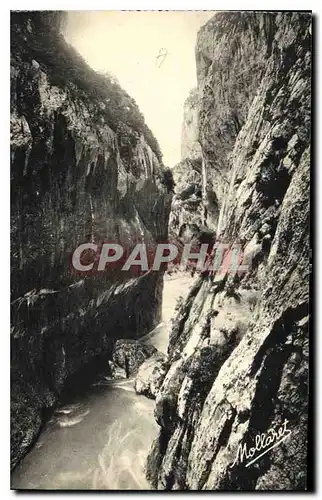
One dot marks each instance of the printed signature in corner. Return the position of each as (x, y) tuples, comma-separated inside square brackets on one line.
[(265, 441)]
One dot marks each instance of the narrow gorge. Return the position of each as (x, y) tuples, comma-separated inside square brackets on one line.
[(168, 379)]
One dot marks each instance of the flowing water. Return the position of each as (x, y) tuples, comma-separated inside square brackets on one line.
[(100, 440)]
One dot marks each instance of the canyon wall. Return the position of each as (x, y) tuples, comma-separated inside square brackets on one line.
[(187, 206), (85, 168), (239, 345)]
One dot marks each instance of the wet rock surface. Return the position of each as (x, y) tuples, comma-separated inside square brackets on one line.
[(85, 168), (238, 349), (130, 354)]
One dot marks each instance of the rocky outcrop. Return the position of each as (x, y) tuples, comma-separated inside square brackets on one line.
[(190, 146), (151, 375), (238, 350), (85, 168), (232, 54), (187, 207), (130, 354)]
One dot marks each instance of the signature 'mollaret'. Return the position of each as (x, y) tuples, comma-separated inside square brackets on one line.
[(264, 441)]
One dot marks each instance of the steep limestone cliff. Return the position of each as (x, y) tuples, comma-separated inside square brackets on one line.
[(190, 147), (85, 168), (238, 350), (231, 56)]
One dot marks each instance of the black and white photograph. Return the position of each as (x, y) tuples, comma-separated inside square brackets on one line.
[(161, 250)]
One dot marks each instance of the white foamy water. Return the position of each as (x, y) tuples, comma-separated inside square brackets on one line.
[(101, 440)]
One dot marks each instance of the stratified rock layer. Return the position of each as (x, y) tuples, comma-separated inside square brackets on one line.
[(150, 375), (190, 146), (187, 207), (84, 169), (238, 350), (130, 354)]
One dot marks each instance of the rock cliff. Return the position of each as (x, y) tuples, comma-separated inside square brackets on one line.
[(85, 168), (187, 206), (238, 350), (190, 147)]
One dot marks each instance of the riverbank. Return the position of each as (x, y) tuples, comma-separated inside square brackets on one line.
[(100, 439)]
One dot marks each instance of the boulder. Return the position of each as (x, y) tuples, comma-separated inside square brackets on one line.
[(130, 354)]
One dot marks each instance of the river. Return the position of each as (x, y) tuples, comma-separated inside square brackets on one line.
[(100, 440)]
